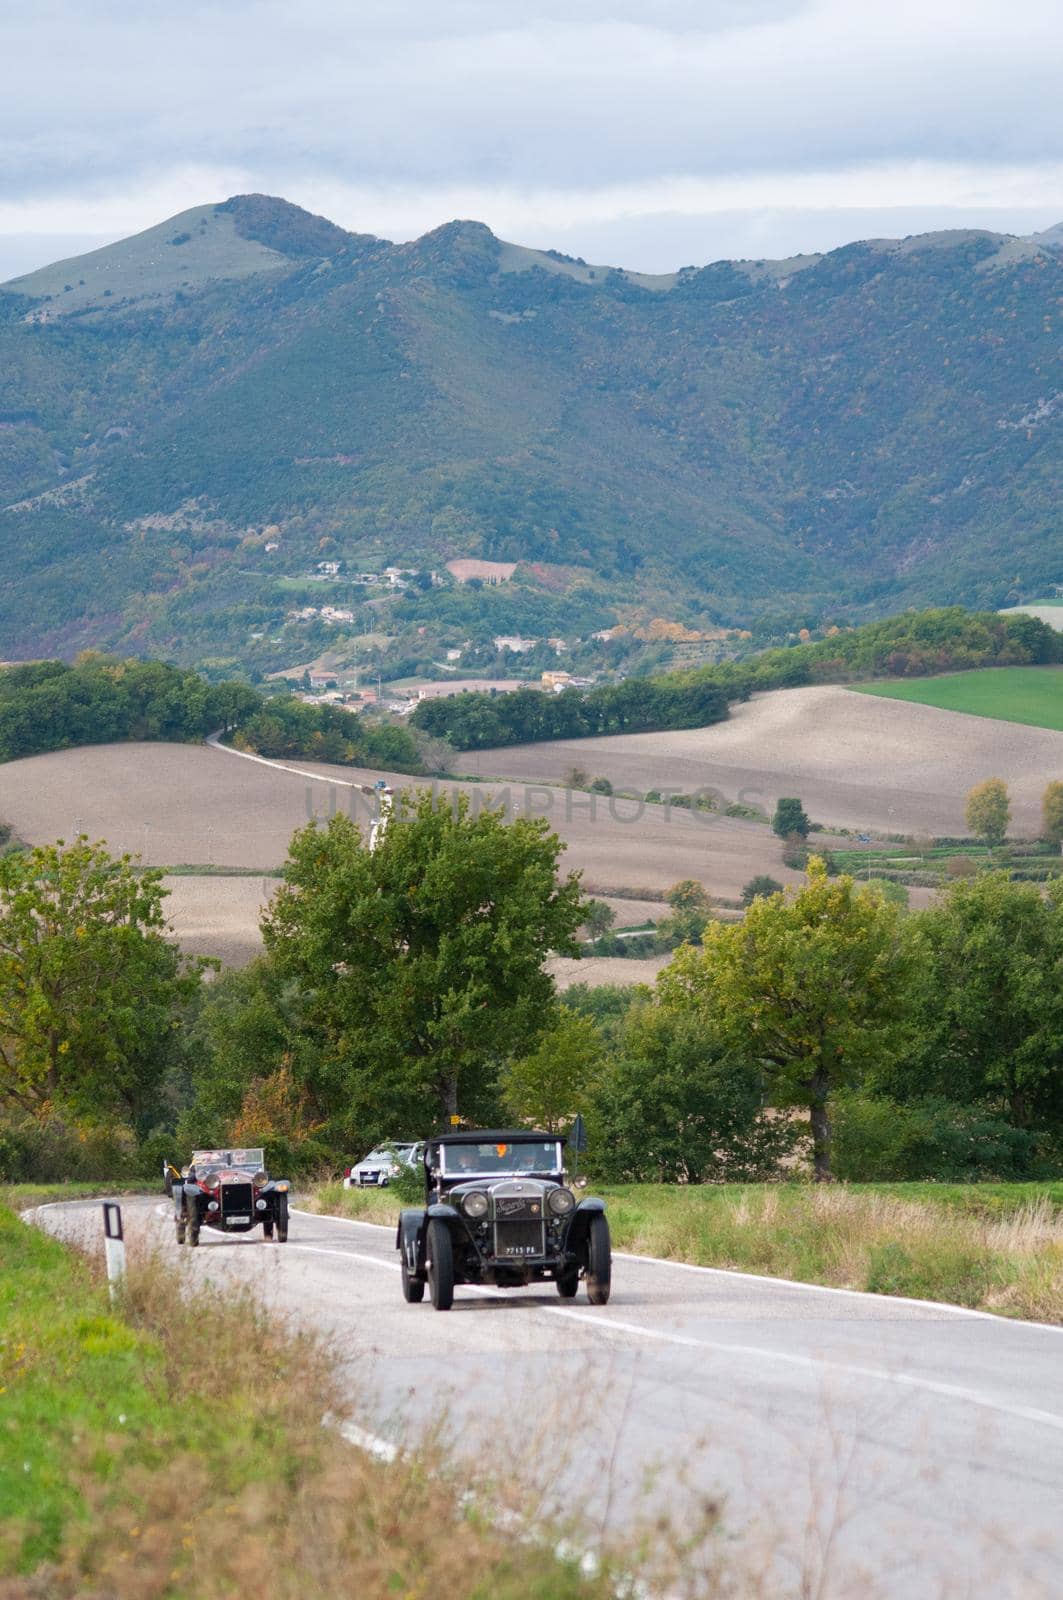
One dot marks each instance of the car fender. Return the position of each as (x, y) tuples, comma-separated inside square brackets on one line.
[(409, 1238), (579, 1227)]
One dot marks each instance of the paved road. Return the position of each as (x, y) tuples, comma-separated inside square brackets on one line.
[(883, 1447)]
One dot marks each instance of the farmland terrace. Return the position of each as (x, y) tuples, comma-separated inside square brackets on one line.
[(856, 760)]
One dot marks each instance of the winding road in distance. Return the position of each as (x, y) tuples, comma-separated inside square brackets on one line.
[(882, 1447)]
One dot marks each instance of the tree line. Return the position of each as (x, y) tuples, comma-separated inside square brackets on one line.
[(401, 986), (54, 705), (911, 645), (478, 721)]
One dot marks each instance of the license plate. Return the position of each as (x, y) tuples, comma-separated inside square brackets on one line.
[(230, 1222), (520, 1250)]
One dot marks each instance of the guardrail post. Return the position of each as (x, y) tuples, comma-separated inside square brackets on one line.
[(113, 1245)]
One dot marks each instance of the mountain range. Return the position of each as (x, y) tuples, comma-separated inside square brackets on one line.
[(194, 417)]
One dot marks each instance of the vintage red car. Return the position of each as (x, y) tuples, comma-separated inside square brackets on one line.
[(229, 1190)]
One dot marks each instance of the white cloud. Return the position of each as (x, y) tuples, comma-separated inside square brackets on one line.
[(393, 115)]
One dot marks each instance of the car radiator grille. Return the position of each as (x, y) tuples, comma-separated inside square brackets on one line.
[(237, 1199), (519, 1239)]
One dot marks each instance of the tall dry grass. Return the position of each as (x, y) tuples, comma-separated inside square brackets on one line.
[(198, 1452), (1010, 1263)]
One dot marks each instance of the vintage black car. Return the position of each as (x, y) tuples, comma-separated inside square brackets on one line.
[(229, 1190), (498, 1211)]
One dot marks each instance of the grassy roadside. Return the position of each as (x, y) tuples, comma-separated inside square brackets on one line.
[(21, 1196), (994, 1247), (174, 1447)]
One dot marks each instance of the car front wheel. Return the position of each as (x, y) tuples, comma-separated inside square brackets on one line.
[(599, 1261), (180, 1225), (440, 1265), (568, 1283), (281, 1220)]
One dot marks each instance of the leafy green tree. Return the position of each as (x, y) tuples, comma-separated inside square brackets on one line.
[(814, 986), (607, 1004), (790, 818), (678, 1104), (760, 888), (988, 811), (549, 1087), (598, 918), (1052, 812), (90, 986), (990, 1001), (421, 963)]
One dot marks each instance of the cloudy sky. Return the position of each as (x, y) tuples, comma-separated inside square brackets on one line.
[(650, 134)]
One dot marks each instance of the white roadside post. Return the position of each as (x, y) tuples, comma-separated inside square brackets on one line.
[(113, 1245)]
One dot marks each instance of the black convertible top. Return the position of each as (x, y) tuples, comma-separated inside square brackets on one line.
[(496, 1136)]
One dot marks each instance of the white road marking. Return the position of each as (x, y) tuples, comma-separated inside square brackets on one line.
[(760, 1277), (605, 1324), (608, 1324), (371, 1443)]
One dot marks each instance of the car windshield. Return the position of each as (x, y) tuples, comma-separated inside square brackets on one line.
[(483, 1160), (244, 1159), (385, 1153)]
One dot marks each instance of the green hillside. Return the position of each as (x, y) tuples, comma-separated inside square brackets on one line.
[(837, 435), (1031, 695)]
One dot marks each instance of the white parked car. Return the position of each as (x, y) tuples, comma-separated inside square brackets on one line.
[(381, 1165)]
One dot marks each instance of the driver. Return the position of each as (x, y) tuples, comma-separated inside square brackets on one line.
[(467, 1159)]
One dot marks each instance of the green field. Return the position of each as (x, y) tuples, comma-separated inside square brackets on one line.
[(1031, 695)]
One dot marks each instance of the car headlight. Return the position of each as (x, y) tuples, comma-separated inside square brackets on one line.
[(260, 1178), (560, 1201), (475, 1204)]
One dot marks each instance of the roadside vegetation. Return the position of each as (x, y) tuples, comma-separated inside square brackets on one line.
[(991, 1247), (141, 1460)]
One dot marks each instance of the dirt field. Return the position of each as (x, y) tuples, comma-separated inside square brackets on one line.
[(177, 804), (219, 916), (855, 760), (595, 970)]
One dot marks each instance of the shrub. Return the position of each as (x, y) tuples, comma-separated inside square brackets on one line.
[(880, 1140), (759, 888), (790, 818)]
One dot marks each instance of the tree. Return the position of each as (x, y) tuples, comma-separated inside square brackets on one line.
[(990, 1002), (598, 918), (790, 818), (812, 985), (988, 811), (551, 1085), (680, 1105), (691, 910), (760, 888), (90, 986), (421, 963), (1052, 812)]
